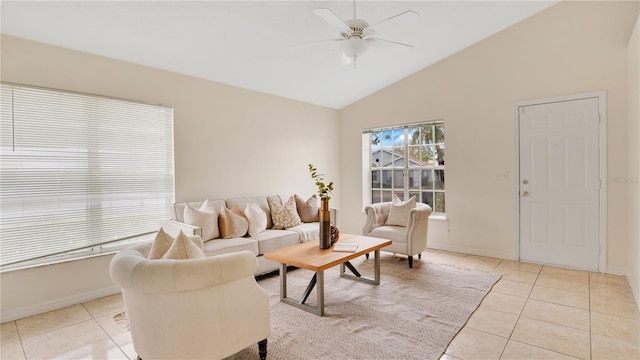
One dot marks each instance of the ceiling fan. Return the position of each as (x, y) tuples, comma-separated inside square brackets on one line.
[(356, 35)]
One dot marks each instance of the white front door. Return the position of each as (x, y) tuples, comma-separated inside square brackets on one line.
[(560, 183)]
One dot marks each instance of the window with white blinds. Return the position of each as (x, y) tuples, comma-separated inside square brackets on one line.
[(79, 171)]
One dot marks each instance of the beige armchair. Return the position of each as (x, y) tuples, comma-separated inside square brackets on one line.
[(207, 308), (409, 240)]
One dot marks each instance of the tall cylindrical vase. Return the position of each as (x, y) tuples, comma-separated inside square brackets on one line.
[(325, 224)]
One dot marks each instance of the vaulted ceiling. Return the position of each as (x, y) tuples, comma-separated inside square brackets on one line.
[(248, 43)]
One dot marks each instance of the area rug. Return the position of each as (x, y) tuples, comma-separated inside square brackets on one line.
[(412, 314)]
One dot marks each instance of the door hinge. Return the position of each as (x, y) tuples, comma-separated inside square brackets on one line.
[(599, 118)]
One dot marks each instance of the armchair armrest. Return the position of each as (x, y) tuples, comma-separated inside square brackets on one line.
[(420, 212), (130, 269), (417, 226), (377, 215), (173, 228)]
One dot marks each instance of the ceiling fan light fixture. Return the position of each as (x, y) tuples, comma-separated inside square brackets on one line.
[(354, 47)]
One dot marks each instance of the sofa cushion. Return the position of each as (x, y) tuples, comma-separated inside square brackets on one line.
[(308, 210), (397, 234), (270, 240), (257, 219), (284, 216), (183, 248), (205, 217), (226, 246), (399, 211), (261, 201), (233, 223), (307, 231)]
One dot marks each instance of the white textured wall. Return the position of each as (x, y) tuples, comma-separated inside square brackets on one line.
[(570, 48), (633, 179), (228, 142)]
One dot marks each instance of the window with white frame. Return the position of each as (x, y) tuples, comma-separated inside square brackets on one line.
[(406, 160), (79, 172)]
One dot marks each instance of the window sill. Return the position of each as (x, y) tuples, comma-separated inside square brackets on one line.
[(88, 253), (439, 217)]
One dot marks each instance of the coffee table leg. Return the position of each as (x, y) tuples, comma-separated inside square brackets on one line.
[(283, 281), (357, 276), (352, 268), (320, 293), (307, 291), (317, 280), (376, 266)]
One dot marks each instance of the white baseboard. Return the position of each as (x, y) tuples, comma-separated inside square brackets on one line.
[(471, 251), (56, 304)]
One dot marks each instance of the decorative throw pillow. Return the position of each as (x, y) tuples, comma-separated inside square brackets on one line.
[(308, 210), (183, 248), (285, 216), (233, 223), (205, 217), (257, 219), (399, 212), (160, 245)]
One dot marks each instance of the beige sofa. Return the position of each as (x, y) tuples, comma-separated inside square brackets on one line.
[(265, 241)]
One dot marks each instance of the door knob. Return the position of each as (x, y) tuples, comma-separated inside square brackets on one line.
[(525, 193)]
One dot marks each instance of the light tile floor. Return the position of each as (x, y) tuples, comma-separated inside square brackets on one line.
[(533, 312)]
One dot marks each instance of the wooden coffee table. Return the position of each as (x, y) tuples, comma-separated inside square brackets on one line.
[(309, 256)]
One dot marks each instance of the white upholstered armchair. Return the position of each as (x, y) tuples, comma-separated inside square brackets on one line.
[(408, 240), (207, 308)]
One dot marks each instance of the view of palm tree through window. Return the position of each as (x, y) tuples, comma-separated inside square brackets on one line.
[(409, 161)]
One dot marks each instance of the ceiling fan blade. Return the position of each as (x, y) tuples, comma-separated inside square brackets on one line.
[(331, 18), (394, 21), (315, 42), (387, 41)]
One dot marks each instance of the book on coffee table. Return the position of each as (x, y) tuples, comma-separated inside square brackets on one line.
[(345, 247)]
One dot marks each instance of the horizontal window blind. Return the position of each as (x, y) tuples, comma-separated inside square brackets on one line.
[(79, 170)]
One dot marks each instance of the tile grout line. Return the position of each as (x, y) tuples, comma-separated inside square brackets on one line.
[(590, 330), (520, 314), (24, 353), (466, 322), (105, 331), (508, 338)]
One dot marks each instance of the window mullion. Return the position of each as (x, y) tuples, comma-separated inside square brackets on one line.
[(405, 170)]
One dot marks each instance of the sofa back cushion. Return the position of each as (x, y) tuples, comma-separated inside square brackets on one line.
[(177, 212), (285, 216), (261, 201), (308, 210), (205, 217), (233, 223)]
